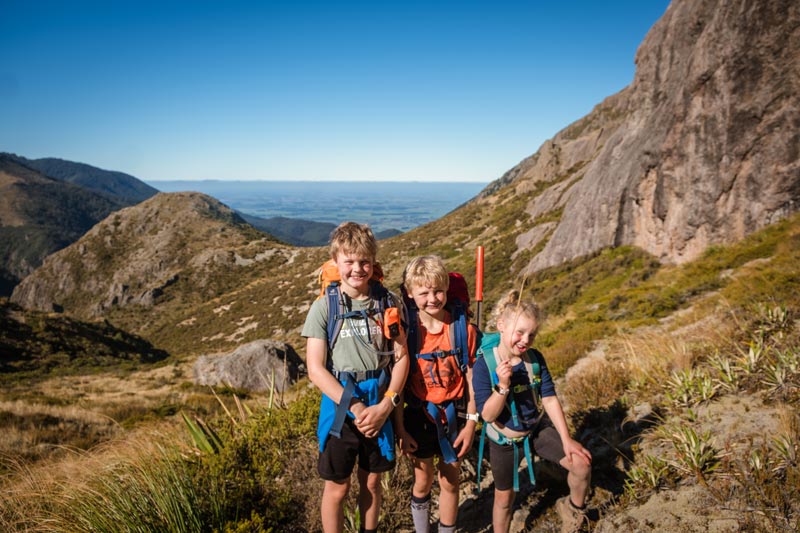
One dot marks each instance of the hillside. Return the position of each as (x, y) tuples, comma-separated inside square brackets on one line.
[(39, 215), (295, 231), (300, 232), (182, 240), (64, 347), (116, 186)]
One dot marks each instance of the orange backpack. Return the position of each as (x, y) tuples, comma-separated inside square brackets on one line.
[(330, 272)]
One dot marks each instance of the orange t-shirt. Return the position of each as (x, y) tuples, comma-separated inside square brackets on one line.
[(440, 379)]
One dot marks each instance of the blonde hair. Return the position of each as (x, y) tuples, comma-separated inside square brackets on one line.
[(426, 271), (511, 305), (353, 238)]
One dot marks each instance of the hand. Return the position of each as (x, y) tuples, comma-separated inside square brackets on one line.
[(371, 419), (575, 452), (407, 443), (463, 441), (504, 371)]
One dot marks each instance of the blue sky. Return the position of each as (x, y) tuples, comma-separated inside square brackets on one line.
[(374, 90)]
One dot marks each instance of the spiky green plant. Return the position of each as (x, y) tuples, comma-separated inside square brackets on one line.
[(750, 361), (695, 453), (647, 476), (727, 375), (687, 388)]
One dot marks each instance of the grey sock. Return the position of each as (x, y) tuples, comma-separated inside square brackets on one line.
[(420, 513), (446, 529)]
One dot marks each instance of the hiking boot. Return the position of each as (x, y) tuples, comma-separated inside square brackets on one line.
[(572, 520)]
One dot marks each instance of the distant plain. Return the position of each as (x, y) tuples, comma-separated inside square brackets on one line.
[(381, 204)]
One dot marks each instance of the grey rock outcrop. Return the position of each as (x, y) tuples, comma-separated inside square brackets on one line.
[(702, 148), (252, 366)]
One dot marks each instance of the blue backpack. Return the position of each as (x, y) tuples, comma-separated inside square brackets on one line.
[(486, 350), (366, 385), (444, 415)]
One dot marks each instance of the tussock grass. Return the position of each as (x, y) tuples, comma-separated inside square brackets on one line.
[(32, 432)]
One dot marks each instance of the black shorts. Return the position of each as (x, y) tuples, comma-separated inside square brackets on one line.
[(337, 460), (423, 430), (546, 444)]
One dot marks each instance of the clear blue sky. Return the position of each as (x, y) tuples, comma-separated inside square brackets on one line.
[(412, 90)]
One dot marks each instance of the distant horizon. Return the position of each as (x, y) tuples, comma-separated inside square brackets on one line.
[(310, 180), (402, 205), (315, 91)]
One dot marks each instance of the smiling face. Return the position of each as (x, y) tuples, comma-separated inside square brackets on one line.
[(430, 299), (517, 331), (356, 271)]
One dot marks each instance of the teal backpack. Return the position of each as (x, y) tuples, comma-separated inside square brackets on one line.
[(488, 344)]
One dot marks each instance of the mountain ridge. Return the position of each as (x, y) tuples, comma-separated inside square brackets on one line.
[(117, 186), (38, 216)]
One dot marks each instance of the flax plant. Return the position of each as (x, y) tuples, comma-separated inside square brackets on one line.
[(690, 387), (695, 453), (645, 477), (727, 374)]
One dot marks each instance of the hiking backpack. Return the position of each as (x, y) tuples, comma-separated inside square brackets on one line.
[(445, 415), (486, 350), (330, 283)]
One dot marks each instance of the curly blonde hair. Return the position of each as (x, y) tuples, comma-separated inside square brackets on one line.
[(512, 305)]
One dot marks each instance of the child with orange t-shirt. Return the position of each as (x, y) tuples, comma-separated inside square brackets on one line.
[(440, 416)]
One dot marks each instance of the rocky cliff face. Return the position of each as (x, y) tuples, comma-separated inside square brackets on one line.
[(703, 147), (135, 254)]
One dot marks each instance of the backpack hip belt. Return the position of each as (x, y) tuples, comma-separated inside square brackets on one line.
[(495, 435)]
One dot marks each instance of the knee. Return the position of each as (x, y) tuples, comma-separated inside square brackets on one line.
[(337, 490), (373, 483), (503, 499), (449, 480), (581, 470), (423, 486)]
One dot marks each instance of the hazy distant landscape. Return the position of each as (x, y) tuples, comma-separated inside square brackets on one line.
[(382, 205)]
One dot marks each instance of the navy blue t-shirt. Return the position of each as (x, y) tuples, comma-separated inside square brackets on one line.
[(526, 407)]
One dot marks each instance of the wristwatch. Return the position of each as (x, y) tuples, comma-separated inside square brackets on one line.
[(393, 397), (475, 417), (500, 390)]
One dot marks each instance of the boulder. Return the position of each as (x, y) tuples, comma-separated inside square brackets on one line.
[(254, 366)]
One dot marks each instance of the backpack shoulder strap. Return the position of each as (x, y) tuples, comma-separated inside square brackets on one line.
[(534, 369), (335, 310), (412, 329), (459, 336), (486, 350)]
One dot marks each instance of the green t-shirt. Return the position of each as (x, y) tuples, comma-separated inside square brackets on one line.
[(354, 350)]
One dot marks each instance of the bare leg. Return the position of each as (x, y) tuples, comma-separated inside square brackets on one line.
[(449, 477), (579, 479), (421, 494), (369, 498), (501, 512), (333, 495)]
